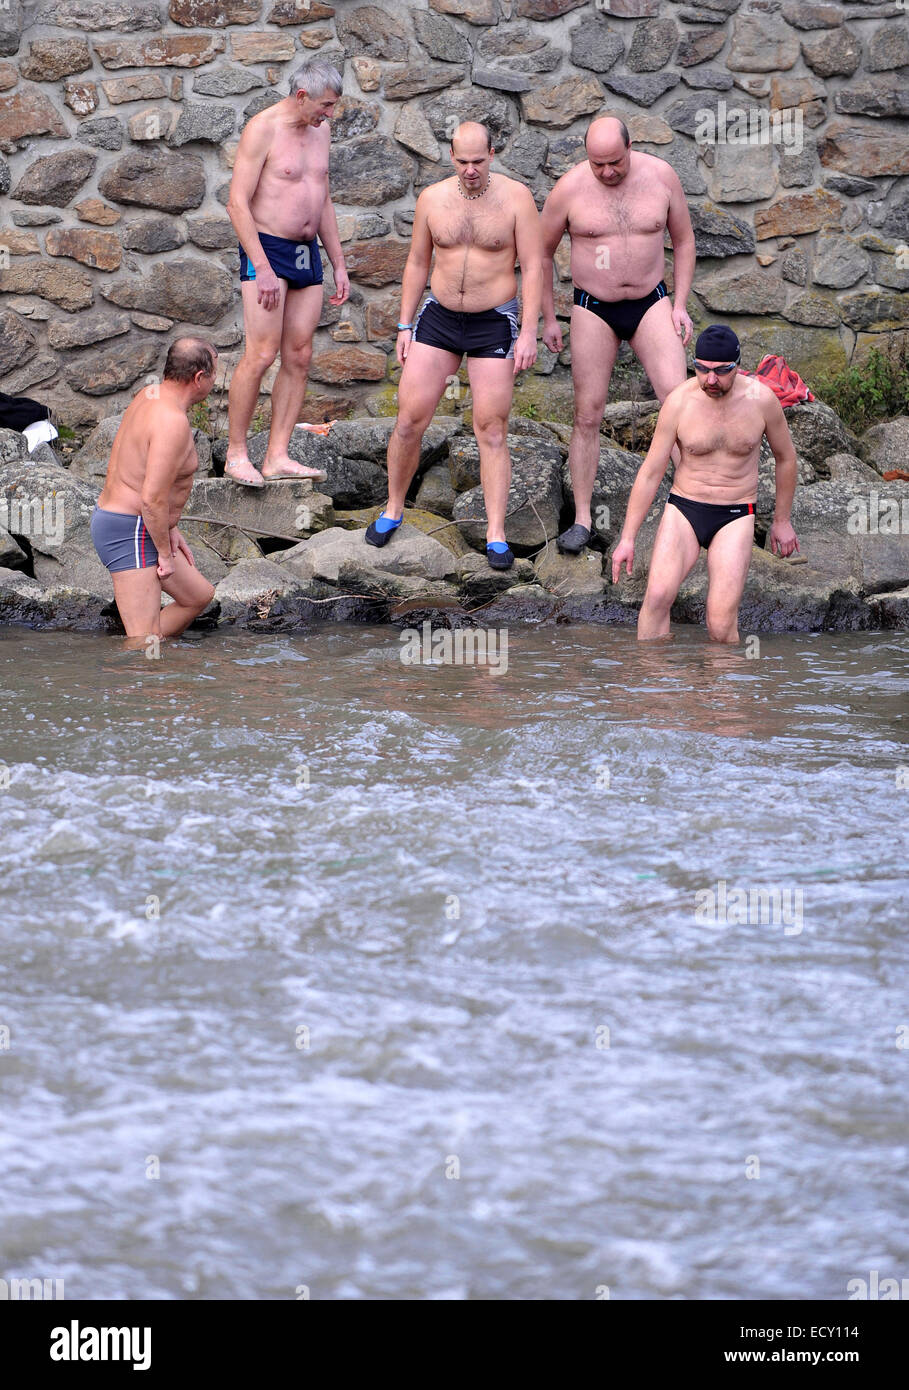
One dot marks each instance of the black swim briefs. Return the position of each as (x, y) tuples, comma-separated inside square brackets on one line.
[(622, 315), (706, 518), (297, 262), (489, 333)]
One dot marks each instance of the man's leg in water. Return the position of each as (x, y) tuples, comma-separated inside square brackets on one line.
[(138, 595), (728, 558), (426, 373), (262, 328), (190, 591), (675, 553)]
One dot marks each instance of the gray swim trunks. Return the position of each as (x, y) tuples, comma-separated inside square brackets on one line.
[(122, 541)]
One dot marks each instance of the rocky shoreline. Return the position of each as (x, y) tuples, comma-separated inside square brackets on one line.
[(287, 557)]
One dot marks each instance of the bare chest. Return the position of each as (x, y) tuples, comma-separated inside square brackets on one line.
[(732, 434), (618, 213), (489, 228), (294, 159)]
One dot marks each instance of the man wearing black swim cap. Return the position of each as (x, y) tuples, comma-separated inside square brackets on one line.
[(718, 419)]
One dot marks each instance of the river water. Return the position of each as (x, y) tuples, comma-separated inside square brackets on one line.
[(331, 976)]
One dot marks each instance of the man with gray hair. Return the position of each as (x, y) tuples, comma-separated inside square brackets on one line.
[(278, 204)]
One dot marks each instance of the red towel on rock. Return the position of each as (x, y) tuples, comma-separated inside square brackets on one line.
[(776, 373)]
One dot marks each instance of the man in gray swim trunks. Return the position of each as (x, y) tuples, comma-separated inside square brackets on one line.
[(149, 477), (477, 223)]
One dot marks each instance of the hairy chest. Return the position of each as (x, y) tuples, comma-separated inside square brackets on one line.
[(733, 434), (615, 213), (489, 228)]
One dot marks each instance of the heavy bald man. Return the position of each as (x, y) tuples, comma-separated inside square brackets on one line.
[(477, 223), (616, 206)]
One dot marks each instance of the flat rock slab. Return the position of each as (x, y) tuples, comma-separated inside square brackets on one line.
[(282, 510), (409, 552)]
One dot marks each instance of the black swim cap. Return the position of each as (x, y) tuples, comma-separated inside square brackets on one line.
[(717, 344)]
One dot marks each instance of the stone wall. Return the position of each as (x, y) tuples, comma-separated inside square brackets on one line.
[(119, 120)]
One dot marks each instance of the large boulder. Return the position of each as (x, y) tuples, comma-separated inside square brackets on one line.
[(358, 576), (51, 510), (21, 599), (430, 523), (615, 475), (216, 548), (817, 432), (886, 446), (534, 498), (854, 534), (781, 597), (766, 490), (565, 575), (259, 594), (366, 437), (891, 610), (351, 482), (464, 452), (479, 583)]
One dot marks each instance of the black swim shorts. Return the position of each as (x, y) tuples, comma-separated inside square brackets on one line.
[(489, 333)]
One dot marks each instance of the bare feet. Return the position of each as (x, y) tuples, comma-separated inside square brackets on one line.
[(285, 467), (240, 470)]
